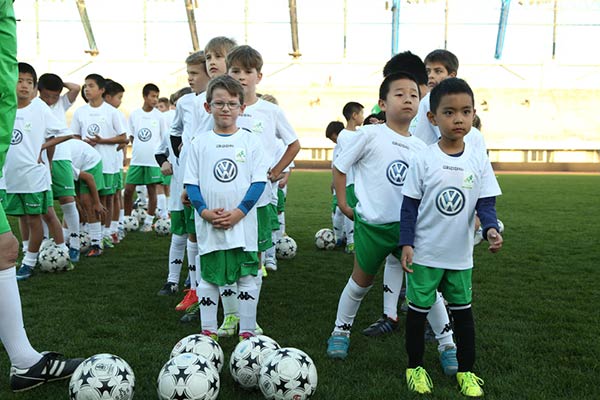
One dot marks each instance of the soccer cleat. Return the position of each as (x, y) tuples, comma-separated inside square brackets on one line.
[(146, 228), (470, 384), (229, 326), (349, 248), (74, 255), (192, 313), (210, 334), (448, 360), (380, 327), (245, 335), (169, 289), (107, 242), (24, 272), (418, 380), (271, 264), (115, 237), (189, 299), (337, 346), (70, 266), (258, 330), (264, 271), (95, 251), (52, 367)]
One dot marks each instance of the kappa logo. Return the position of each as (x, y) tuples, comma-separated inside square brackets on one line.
[(93, 129), (207, 302), (225, 170), (245, 296), (144, 134), (228, 292), (17, 137), (396, 172), (450, 201)]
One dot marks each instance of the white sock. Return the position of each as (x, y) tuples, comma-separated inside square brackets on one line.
[(121, 215), (349, 229), (12, 331), (105, 231), (71, 217), (176, 255), (229, 299), (337, 219), (281, 218), (440, 323), (45, 229), (258, 280), (393, 275), (149, 219), (30, 258), (192, 252), (248, 299), (350, 300), (209, 301), (142, 193), (95, 231), (270, 252), (161, 205), (25, 246), (114, 227)]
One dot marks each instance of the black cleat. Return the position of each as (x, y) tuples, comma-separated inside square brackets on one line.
[(52, 367)]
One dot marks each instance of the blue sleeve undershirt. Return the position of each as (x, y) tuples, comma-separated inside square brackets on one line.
[(252, 195), (408, 220), (486, 211)]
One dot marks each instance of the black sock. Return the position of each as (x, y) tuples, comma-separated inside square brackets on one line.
[(415, 341), (464, 330)]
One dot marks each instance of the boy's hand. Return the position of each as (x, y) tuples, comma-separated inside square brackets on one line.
[(274, 176), (166, 168), (227, 219), (346, 210), (284, 180), (99, 209), (495, 240), (406, 258), (185, 199), (211, 215), (91, 141)]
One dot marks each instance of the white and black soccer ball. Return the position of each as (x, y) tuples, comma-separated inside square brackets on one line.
[(201, 345), (46, 243), (325, 239), (102, 377), (140, 214), (286, 248), (162, 227), (247, 359), (288, 374), (85, 242), (53, 259), (131, 223), (188, 376)]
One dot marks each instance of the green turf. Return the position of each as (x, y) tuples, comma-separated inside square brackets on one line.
[(535, 303)]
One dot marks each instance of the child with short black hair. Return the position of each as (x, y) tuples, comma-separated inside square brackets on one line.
[(337, 217)]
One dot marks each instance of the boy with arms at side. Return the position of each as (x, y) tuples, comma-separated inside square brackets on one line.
[(226, 172), (380, 157), (337, 216), (446, 184)]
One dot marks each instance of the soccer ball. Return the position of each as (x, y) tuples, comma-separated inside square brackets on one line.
[(140, 214), (46, 243), (201, 345), (325, 239), (247, 359), (102, 377), (286, 248), (52, 259), (500, 226), (188, 376), (162, 227), (85, 242), (288, 374), (131, 223)]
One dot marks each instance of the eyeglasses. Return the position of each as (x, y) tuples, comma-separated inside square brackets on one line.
[(219, 105)]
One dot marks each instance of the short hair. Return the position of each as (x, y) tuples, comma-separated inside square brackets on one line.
[(220, 45), (407, 62), (149, 87), (476, 122), (268, 97), (50, 82), (196, 58), (99, 79), (387, 82), (232, 86), (179, 94), (351, 108), (246, 57), (163, 100), (112, 88), (380, 116), (25, 68), (444, 57), (447, 87), (334, 127)]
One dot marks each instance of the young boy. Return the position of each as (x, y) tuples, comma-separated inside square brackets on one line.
[(279, 141), (163, 104), (101, 126), (147, 128), (226, 172), (380, 157), (446, 183), (86, 165), (337, 216)]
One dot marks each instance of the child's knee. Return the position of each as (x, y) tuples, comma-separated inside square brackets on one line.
[(9, 250)]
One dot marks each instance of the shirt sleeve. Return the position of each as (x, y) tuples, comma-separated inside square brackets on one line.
[(408, 220), (260, 164), (413, 184), (130, 124), (54, 127), (284, 130), (177, 124), (424, 129), (352, 152), (489, 183), (192, 174), (65, 102)]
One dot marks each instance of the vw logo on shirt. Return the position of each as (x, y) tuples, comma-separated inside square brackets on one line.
[(396, 172), (225, 170), (144, 134), (450, 201), (93, 129), (17, 137)]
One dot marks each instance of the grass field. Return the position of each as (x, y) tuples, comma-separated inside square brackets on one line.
[(535, 303)]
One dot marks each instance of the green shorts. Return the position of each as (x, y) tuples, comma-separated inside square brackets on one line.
[(28, 203), (140, 175), (422, 284), (373, 243), (49, 198), (351, 198), (2, 197), (280, 201), (166, 180), (63, 183), (224, 267), (82, 188), (189, 219), (178, 225), (110, 182), (333, 203), (4, 226), (265, 224), (120, 182)]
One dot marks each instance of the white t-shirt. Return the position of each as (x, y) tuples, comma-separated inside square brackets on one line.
[(104, 121), (148, 130), (169, 115), (448, 188), (346, 139), (224, 167), (380, 158), (83, 156), (61, 152), (34, 124)]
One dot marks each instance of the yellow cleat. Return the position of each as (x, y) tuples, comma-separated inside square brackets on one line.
[(470, 384), (418, 380)]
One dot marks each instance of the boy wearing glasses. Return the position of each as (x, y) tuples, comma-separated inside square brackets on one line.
[(225, 175)]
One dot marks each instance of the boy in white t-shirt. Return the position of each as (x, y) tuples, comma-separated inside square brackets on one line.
[(379, 156), (147, 128), (162, 190), (337, 216), (226, 172), (446, 184)]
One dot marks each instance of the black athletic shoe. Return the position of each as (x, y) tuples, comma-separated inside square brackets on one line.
[(52, 367), (169, 289), (380, 327)]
